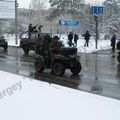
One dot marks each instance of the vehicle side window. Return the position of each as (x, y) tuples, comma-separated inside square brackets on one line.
[(33, 36), (24, 35)]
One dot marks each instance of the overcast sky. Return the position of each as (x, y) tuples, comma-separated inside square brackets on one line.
[(25, 3)]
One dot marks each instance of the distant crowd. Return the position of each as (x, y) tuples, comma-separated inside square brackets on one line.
[(74, 36)]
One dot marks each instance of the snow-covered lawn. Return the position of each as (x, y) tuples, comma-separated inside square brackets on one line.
[(102, 44), (22, 98)]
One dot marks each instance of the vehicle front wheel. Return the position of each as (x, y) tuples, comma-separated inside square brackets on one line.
[(39, 65), (118, 58), (26, 50), (58, 68), (5, 47), (75, 67)]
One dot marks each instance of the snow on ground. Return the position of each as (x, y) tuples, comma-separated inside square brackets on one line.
[(11, 40), (102, 44), (22, 98)]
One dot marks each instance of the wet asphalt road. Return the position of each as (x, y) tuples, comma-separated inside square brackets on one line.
[(100, 71)]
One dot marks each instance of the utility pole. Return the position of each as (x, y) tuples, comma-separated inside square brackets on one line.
[(96, 20), (16, 23), (1, 27)]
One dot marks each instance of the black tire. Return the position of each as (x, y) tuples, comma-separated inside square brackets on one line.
[(39, 65), (118, 58), (58, 68), (5, 47), (75, 67), (26, 49)]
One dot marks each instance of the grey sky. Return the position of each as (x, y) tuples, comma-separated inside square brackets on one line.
[(25, 3)]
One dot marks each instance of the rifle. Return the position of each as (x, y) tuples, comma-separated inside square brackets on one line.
[(34, 27)]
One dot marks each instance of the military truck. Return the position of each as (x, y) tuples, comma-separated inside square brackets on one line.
[(28, 40), (3, 43), (57, 60)]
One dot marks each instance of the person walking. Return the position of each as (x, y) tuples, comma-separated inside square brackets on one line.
[(113, 42), (87, 38), (70, 37), (75, 38)]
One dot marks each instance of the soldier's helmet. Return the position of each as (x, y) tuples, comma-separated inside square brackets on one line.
[(56, 37)]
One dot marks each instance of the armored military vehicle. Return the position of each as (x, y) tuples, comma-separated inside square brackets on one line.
[(58, 60), (28, 41)]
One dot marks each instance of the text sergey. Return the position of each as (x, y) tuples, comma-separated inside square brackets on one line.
[(10, 90)]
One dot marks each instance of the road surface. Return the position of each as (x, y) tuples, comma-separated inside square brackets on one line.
[(100, 71)]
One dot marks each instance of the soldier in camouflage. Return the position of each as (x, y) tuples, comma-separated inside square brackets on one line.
[(55, 44)]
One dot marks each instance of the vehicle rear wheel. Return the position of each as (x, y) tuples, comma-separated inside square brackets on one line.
[(39, 64), (75, 67), (26, 49), (58, 68), (118, 58)]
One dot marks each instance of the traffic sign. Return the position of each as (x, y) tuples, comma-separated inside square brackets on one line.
[(69, 22), (97, 9)]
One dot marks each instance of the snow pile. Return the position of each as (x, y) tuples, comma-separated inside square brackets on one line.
[(36, 100), (11, 40)]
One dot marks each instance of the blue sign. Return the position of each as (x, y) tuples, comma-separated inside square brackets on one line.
[(69, 22), (97, 9)]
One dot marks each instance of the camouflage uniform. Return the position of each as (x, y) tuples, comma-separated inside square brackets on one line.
[(54, 46), (46, 54)]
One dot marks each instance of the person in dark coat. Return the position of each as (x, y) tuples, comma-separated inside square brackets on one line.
[(87, 38), (75, 38), (113, 42), (70, 37)]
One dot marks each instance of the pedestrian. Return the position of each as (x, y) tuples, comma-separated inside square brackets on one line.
[(113, 42), (118, 44), (87, 38), (75, 38), (70, 38)]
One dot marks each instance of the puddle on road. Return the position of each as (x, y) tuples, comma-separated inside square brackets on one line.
[(25, 73), (65, 80)]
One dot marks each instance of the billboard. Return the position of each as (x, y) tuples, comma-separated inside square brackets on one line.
[(7, 9), (69, 22)]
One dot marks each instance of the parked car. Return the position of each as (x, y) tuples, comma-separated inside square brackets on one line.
[(3, 43)]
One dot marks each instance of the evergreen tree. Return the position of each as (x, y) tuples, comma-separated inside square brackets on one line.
[(63, 7), (112, 16)]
